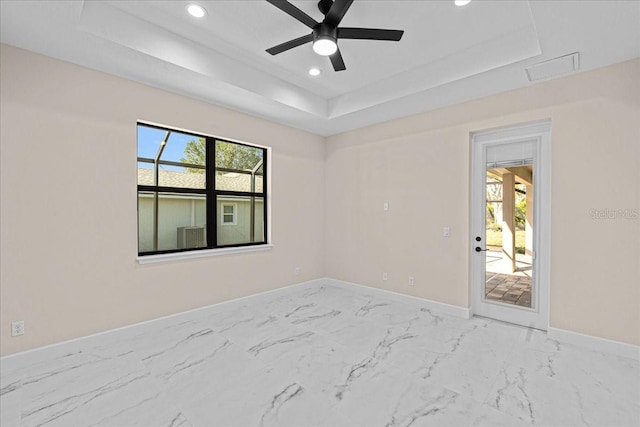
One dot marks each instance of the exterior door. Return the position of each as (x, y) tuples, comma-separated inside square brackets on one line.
[(510, 217)]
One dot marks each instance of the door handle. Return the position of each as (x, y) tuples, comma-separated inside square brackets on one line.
[(479, 249)]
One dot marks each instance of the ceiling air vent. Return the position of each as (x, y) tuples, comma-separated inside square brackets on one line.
[(554, 67)]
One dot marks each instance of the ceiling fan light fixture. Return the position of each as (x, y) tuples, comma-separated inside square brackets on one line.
[(325, 34), (325, 46), (196, 10)]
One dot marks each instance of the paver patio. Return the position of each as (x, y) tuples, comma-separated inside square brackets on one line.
[(505, 286)]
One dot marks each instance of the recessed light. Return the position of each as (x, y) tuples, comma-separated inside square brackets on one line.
[(462, 2), (196, 10), (314, 72)]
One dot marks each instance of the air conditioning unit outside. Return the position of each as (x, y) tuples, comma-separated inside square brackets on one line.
[(191, 237)]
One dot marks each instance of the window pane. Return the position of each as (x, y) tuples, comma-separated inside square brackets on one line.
[(228, 209), (181, 221), (146, 202), (249, 224), (181, 158), (238, 167)]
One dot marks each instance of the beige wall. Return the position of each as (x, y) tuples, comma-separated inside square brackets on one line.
[(68, 264), (68, 204), (420, 165)]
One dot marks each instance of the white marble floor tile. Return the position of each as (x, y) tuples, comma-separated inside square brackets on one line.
[(200, 369), (10, 401), (357, 334), (340, 299), (275, 340), (319, 356), (568, 387), (99, 387), (281, 303), (484, 415), (258, 398), (421, 404), (369, 394)]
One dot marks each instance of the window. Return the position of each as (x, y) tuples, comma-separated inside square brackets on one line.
[(198, 192), (229, 212)]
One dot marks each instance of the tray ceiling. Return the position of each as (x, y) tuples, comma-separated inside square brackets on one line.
[(448, 54)]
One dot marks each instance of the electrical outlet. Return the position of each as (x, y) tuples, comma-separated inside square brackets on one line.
[(411, 281), (385, 277), (296, 271), (446, 232), (385, 206), (17, 328)]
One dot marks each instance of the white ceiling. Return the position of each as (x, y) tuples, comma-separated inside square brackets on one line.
[(447, 55)]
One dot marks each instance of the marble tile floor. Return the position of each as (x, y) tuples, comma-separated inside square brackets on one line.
[(319, 355)]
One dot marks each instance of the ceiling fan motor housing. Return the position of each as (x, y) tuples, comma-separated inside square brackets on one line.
[(325, 31)]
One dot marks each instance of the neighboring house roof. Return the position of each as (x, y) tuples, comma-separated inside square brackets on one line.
[(231, 181)]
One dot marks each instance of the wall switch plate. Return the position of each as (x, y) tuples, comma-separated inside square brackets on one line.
[(384, 276), (446, 232), (296, 271), (385, 206), (412, 281), (17, 328)]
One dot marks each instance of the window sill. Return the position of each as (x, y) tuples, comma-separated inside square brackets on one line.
[(178, 256)]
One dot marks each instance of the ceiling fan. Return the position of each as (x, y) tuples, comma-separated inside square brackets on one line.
[(325, 34)]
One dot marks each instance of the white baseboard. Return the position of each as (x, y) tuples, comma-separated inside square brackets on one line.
[(440, 307), (595, 343)]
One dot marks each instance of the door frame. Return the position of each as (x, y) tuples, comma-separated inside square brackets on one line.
[(538, 316)]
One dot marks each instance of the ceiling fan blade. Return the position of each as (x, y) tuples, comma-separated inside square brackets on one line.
[(290, 44), (370, 34), (337, 11), (293, 11), (337, 62)]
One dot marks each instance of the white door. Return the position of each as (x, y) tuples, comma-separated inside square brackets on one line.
[(510, 224)]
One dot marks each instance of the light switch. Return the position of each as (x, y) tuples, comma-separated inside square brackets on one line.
[(446, 232)]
